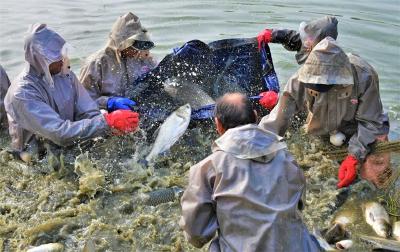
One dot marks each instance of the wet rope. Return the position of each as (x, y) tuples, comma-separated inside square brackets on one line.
[(376, 148)]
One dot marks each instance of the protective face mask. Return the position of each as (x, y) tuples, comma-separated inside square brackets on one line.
[(318, 87)]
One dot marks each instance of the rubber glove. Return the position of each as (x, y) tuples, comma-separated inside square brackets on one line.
[(122, 121), (347, 171), (264, 37), (268, 99), (115, 103)]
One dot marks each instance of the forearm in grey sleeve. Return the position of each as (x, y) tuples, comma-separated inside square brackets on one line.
[(367, 131), (371, 120), (279, 119), (39, 118), (290, 102)]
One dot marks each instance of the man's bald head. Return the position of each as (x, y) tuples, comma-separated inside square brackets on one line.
[(233, 110)]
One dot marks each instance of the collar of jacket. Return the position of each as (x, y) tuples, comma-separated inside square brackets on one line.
[(249, 142)]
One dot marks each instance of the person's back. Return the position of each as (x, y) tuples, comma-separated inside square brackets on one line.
[(249, 190)]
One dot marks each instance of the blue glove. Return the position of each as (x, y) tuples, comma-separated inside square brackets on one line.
[(115, 103)]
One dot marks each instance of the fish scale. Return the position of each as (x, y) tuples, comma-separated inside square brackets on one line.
[(163, 196)]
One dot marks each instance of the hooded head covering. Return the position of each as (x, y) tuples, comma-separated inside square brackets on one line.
[(250, 142), (327, 64), (313, 32), (43, 47), (125, 31)]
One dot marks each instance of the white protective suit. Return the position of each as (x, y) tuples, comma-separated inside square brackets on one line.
[(105, 73), (248, 190), (41, 106), (4, 85)]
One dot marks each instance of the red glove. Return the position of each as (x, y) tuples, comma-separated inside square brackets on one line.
[(264, 37), (123, 121), (268, 99), (347, 171)]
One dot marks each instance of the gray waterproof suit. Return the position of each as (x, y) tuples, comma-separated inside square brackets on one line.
[(352, 106), (60, 111), (248, 190), (4, 85), (106, 73)]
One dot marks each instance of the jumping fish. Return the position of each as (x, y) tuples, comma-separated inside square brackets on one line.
[(377, 217), (170, 131), (188, 92), (50, 247)]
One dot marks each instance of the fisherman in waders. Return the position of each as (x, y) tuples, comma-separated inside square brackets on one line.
[(247, 191), (47, 104), (292, 40), (108, 74), (340, 93)]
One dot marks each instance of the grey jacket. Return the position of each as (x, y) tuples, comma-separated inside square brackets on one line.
[(106, 73), (62, 112), (247, 190), (4, 84), (353, 109)]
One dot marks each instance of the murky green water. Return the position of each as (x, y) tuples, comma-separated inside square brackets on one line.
[(36, 208)]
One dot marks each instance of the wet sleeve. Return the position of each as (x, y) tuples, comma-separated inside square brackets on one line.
[(290, 39), (370, 119), (199, 220), (91, 79), (38, 117), (290, 102)]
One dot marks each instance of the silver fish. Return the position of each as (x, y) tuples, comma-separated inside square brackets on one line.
[(377, 217), (50, 247), (380, 243), (170, 131), (188, 92)]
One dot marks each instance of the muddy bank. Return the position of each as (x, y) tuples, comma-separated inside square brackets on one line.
[(99, 196)]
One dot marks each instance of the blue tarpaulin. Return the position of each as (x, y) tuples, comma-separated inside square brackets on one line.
[(229, 65)]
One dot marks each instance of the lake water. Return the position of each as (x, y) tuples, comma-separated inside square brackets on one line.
[(368, 28)]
